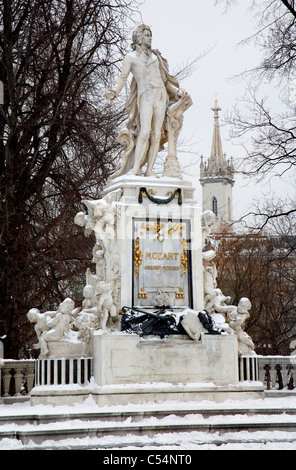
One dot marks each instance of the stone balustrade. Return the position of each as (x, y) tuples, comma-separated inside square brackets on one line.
[(248, 368), (63, 371), (275, 372), (19, 377)]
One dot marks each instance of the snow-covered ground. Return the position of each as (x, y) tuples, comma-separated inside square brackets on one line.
[(194, 440)]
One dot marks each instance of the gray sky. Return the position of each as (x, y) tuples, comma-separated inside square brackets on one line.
[(183, 31)]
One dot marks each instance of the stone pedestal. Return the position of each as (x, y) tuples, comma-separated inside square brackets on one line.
[(68, 349), (159, 243), (130, 369), (129, 359)]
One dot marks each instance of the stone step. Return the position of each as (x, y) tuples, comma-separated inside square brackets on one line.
[(270, 421), (31, 417), (78, 429), (189, 441)]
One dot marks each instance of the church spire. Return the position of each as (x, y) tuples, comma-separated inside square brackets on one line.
[(217, 165), (216, 176), (216, 159)]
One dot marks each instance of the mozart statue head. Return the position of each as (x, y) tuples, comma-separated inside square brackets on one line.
[(139, 35)]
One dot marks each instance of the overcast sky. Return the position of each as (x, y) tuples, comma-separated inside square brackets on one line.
[(184, 30)]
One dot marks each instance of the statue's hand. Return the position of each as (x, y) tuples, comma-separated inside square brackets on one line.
[(110, 95), (181, 93)]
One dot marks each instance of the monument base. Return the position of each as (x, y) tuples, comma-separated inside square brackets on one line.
[(145, 393), (128, 359), (128, 369), (58, 395), (163, 392)]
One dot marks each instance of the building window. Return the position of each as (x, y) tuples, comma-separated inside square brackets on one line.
[(215, 206)]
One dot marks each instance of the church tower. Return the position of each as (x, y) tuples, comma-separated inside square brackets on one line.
[(216, 177)]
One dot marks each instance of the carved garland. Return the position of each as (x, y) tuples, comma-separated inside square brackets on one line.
[(157, 227), (177, 192), (184, 258), (137, 257)]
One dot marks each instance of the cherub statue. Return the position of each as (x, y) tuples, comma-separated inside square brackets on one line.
[(104, 215), (88, 294), (52, 326), (105, 306), (86, 323), (209, 287), (221, 304), (41, 324), (236, 318), (208, 223)]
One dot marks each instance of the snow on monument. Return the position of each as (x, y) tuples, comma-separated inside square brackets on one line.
[(153, 324)]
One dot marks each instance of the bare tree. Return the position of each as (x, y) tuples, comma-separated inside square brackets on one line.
[(269, 136), (58, 141), (262, 265), (262, 269)]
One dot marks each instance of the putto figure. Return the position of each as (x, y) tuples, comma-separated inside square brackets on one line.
[(152, 92)]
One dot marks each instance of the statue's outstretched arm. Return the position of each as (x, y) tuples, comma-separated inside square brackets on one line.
[(125, 71)]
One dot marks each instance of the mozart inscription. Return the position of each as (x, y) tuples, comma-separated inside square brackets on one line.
[(162, 268)]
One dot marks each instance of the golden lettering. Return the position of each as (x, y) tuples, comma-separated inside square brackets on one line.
[(161, 256), (167, 268)]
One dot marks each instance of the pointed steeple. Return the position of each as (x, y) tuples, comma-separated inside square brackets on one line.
[(217, 177), (216, 162), (217, 165)]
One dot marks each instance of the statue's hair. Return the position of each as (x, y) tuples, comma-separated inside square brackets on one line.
[(137, 34)]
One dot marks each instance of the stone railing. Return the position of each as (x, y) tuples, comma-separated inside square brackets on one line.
[(278, 372), (248, 368), (17, 377), (63, 371), (275, 372)]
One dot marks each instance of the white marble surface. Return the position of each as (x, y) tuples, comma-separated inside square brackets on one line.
[(128, 359)]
